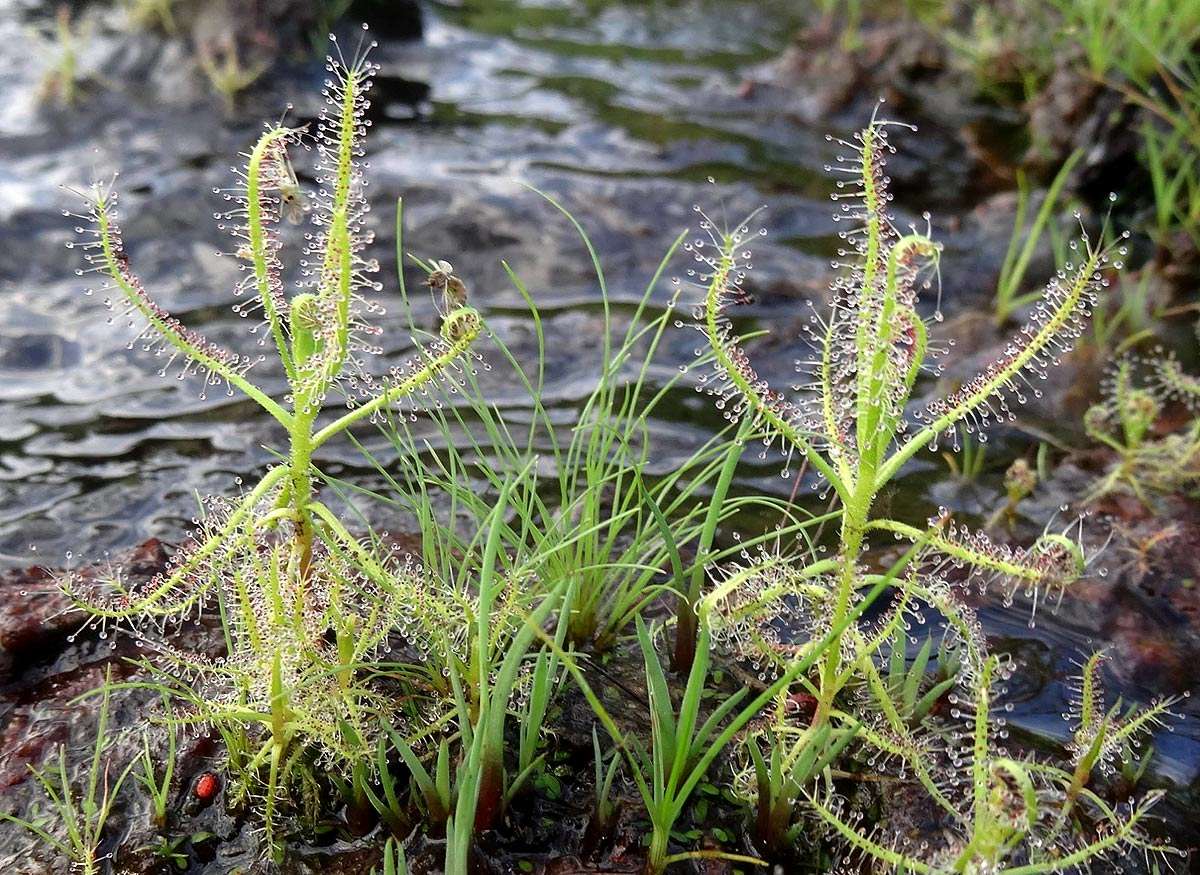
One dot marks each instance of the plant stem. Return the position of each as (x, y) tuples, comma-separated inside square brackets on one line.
[(854, 521), (656, 857), (301, 479)]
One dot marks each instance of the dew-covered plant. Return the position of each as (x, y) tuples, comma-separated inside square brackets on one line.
[(304, 603), (850, 420), (1104, 736), (1135, 393), (1016, 814)]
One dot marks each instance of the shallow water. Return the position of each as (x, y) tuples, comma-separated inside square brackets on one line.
[(620, 111)]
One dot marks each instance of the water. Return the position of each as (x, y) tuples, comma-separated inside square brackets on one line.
[(622, 112), (98, 452)]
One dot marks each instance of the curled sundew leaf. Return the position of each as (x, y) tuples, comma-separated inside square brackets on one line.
[(737, 386), (266, 182), (752, 605), (461, 325), (305, 323)]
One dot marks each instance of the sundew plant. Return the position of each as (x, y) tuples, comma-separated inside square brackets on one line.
[(304, 603), (424, 690), (1136, 390), (849, 419)]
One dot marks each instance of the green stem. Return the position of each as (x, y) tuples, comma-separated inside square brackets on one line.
[(854, 521), (300, 476), (982, 827)]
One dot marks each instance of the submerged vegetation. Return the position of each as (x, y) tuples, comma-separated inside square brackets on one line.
[(826, 676)]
